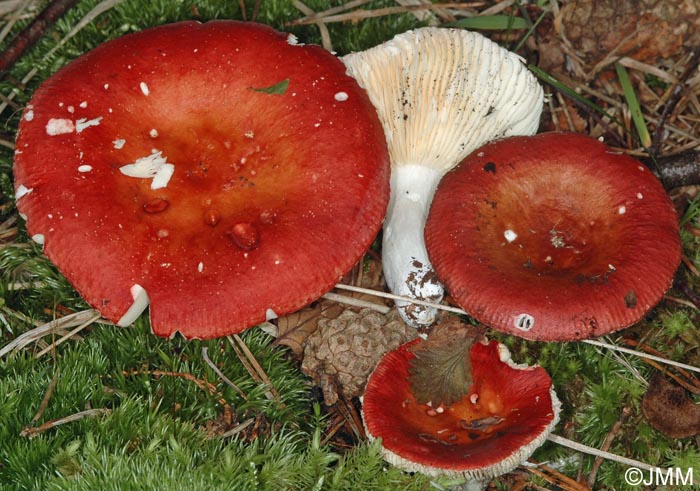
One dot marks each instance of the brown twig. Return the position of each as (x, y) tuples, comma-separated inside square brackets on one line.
[(202, 384), (682, 169), (626, 411), (205, 356), (256, 10), (335, 10), (47, 397), (253, 367), (323, 29), (557, 478), (31, 34), (689, 264), (366, 14), (240, 427), (681, 284), (670, 106), (690, 382), (32, 431)]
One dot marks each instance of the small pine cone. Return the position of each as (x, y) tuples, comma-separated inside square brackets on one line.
[(341, 354)]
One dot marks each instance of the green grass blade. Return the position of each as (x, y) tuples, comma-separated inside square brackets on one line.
[(530, 31), (491, 23), (571, 93), (633, 104)]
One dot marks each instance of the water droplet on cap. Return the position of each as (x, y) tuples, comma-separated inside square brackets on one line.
[(244, 235), (156, 205), (211, 217)]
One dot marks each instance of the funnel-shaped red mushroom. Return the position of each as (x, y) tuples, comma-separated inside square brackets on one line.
[(553, 237), (507, 413), (219, 170)]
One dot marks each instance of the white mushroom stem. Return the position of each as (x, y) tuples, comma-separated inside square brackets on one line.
[(407, 269)]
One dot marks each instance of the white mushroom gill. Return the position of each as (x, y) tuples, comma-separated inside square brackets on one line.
[(440, 94)]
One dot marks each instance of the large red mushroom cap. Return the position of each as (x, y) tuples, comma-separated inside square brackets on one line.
[(507, 413), (219, 170), (553, 237)]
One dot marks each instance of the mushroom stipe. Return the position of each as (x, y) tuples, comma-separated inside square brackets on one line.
[(219, 171)]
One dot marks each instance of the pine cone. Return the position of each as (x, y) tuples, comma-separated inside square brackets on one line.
[(340, 355)]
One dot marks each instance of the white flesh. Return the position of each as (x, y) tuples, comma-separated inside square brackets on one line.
[(141, 301), (407, 269)]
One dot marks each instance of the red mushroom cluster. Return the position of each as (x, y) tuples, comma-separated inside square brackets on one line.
[(219, 172)]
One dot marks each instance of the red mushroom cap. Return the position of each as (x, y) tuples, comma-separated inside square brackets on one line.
[(553, 237), (227, 171), (507, 414)]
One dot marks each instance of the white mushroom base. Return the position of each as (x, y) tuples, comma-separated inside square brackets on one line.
[(407, 269)]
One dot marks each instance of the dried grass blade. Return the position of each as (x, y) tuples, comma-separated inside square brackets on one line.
[(32, 335), (69, 335), (572, 94)]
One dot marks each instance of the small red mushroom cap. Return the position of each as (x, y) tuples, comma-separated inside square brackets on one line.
[(220, 171), (553, 237), (508, 413)]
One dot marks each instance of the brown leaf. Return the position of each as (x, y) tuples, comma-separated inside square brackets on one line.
[(644, 30), (293, 329), (440, 373)]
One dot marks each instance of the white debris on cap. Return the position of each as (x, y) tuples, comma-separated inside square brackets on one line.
[(83, 123), (119, 143), (22, 191), (144, 88), (84, 168), (292, 40), (59, 126), (153, 166)]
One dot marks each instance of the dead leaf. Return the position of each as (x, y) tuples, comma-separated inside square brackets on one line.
[(294, 329), (440, 373), (644, 30)]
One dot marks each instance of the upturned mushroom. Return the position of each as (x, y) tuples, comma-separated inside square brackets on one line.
[(440, 93), (553, 237), (220, 172), (501, 416)]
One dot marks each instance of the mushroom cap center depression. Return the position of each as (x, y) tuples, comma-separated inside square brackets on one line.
[(555, 221), (226, 176)]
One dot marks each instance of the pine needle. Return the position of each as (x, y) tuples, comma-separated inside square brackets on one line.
[(455, 310)]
